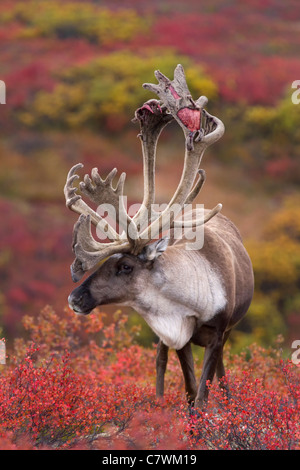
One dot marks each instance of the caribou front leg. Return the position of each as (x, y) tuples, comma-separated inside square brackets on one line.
[(161, 365), (185, 356)]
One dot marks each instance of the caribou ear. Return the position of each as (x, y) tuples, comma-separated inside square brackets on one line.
[(155, 249)]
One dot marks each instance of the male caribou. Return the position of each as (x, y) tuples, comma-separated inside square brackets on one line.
[(185, 295)]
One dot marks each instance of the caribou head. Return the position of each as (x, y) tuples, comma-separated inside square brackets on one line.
[(187, 292)]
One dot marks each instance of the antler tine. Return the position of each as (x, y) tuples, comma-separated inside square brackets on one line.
[(75, 203), (199, 221), (213, 128), (101, 192), (198, 186)]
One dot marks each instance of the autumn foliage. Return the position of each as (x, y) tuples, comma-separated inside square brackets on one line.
[(76, 383)]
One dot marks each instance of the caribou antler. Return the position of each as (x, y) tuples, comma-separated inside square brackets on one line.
[(87, 250), (191, 116), (152, 118), (200, 130)]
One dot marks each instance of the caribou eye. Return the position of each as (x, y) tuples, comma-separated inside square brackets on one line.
[(124, 268)]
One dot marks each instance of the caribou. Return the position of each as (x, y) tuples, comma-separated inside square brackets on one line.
[(187, 293)]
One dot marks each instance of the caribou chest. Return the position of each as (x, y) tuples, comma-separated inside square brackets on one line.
[(173, 302)]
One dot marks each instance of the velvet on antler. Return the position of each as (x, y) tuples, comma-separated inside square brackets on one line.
[(200, 130)]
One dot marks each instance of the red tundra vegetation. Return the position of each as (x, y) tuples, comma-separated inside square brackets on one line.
[(78, 384)]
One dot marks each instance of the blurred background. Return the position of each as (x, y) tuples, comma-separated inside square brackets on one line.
[(74, 72)]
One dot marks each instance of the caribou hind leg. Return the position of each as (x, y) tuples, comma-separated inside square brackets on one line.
[(220, 369), (212, 362)]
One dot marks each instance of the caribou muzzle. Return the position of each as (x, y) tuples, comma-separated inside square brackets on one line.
[(81, 301)]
